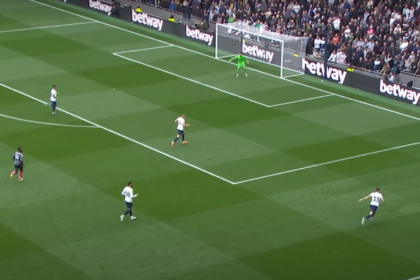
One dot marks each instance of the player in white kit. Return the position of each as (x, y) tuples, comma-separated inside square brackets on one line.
[(128, 194), (53, 99), (180, 124), (376, 199)]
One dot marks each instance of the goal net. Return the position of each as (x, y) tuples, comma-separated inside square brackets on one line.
[(281, 51)]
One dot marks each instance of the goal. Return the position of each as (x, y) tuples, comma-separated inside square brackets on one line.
[(281, 51)]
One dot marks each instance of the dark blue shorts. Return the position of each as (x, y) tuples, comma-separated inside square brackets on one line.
[(19, 167), (129, 205), (54, 103), (373, 208), (180, 132)]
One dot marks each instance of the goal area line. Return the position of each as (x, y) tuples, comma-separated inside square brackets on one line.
[(294, 73)]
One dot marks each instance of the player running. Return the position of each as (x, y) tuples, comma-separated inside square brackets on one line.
[(180, 122), (377, 198), (128, 198), (53, 99), (18, 164), (242, 60)]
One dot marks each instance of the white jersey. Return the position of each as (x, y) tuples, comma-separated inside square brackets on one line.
[(128, 194), (180, 123), (53, 96), (376, 198)]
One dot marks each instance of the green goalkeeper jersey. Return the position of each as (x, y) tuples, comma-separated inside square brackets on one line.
[(240, 58)]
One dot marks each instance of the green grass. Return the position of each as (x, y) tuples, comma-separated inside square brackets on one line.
[(201, 215)]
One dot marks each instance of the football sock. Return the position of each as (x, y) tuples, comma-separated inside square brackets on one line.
[(176, 139), (368, 216), (126, 212), (130, 212), (14, 172), (183, 137), (21, 175)]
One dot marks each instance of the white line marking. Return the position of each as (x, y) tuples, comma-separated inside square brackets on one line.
[(300, 100), (122, 136), (45, 27), (294, 75), (414, 278), (212, 57), (46, 123), (358, 101), (146, 49), (326, 163), (191, 80)]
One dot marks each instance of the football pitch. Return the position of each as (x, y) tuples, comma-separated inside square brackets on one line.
[(266, 189)]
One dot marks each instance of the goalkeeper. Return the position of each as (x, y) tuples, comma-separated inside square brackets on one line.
[(242, 60)]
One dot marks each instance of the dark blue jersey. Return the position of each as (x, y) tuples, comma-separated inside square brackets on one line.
[(18, 158)]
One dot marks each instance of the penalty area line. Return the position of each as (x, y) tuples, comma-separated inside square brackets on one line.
[(327, 163), (146, 49), (46, 27), (46, 123), (123, 136), (414, 278)]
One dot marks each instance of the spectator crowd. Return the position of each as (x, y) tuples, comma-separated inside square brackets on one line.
[(375, 35)]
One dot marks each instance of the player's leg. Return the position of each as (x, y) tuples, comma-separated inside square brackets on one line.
[(128, 211), (177, 137), (183, 138), (131, 212), (54, 106), (21, 173), (238, 69), (371, 213), (14, 172), (241, 66)]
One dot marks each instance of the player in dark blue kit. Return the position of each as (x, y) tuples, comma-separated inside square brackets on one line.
[(18, 164)]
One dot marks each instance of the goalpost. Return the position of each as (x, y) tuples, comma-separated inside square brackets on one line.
[(280, 51)]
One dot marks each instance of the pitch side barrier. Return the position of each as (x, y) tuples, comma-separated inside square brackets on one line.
[(372, 83), (149, 21)]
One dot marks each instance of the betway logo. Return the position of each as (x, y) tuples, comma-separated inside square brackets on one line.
[(145, 19), (318, 68), (255, 51), (100, 6), (199, 35), (401, 92)]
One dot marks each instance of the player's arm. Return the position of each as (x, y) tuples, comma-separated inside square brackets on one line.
[(132, 195), (367, 197), (236, 57)]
